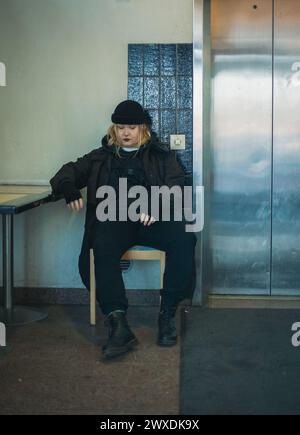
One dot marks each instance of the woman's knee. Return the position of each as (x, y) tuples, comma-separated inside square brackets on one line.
[(104, 257), (107, 256), (188, 239), (184, 243)]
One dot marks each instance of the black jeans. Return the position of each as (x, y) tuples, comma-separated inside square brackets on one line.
[(110, 240)]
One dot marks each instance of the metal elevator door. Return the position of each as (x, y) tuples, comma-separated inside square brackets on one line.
[(255, 147)]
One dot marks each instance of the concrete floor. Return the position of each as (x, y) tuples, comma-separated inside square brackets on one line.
[(55, 366), (240, 362)]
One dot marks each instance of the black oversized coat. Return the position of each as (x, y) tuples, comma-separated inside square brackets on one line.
[(93, 170)]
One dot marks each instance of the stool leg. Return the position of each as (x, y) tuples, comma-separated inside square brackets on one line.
[(92, 290), (162, 268)]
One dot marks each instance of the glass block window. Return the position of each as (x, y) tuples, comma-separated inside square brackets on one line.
[(160, 77)]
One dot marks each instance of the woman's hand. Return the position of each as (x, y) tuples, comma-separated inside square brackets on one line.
[(146, 219), (76, 205)]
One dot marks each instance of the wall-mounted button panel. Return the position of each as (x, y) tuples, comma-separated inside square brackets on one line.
[(177, 141)]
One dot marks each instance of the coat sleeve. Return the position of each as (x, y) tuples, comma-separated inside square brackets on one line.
[(174, 173), (173, 176), (76, 173)]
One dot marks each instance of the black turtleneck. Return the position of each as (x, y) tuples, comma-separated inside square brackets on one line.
[(128, 165)]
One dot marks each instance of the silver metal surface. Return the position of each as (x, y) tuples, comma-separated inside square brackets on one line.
[(10, 314), (8, 264), (201, 128), (241, 146), (286, 169)]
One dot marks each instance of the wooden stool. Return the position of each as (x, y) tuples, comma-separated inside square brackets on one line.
[(135, 253)]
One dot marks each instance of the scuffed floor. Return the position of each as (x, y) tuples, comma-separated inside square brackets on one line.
[(55, 366)]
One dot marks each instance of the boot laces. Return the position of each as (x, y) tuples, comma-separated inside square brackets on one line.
[(168, 313), (167, 321), (112, 322)]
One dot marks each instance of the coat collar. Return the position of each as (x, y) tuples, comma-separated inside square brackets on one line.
[(153, 144)]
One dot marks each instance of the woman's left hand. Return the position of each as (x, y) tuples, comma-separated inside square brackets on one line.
[(146, 219)]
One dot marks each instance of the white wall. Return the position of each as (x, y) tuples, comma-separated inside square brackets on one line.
[(66, 69)]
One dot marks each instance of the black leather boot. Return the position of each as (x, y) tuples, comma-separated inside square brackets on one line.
[(120, 337), (167, 334)]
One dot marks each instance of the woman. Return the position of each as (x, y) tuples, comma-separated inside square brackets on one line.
[(131, 152)]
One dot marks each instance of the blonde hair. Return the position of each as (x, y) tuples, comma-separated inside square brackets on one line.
[(144, 136)]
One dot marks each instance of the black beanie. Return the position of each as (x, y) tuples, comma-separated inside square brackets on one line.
[(129, 112)]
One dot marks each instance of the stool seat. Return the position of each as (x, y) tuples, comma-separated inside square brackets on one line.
[(141, 248)]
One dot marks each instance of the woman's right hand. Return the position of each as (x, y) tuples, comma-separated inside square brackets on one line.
[(146, 219), (76, 205)]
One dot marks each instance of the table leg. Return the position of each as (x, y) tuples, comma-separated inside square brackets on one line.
[(10, 314)]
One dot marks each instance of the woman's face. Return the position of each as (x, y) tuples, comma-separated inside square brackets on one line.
[(128, 135)]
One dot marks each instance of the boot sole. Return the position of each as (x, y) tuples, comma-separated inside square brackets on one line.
[(111, 353), (167, 343)]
